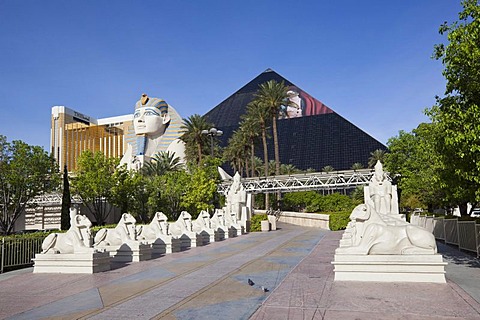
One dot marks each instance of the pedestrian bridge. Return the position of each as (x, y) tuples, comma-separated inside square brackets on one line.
[(326, 181)]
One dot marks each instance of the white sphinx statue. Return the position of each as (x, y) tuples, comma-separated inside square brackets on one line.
[(202, 226), (157, 234), (232, 223), (71, 252), (77, 239), (379, 245), (124, 232), (157, 128), (219, 224), (236, 202), (121, 242), (183, 229), (370, 234)]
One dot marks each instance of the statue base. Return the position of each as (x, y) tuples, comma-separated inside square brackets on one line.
[(133, 251), (191, 240), (220, 234), (165, 246), (390, 268), (90, 262), (235, 231)]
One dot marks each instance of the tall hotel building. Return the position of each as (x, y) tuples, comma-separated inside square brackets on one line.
[(73, 132)]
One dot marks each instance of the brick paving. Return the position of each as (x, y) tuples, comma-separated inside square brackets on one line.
[(293, 264)]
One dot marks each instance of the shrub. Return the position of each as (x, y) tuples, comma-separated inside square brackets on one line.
[(339, 220), (337, 202), (298, 201), (255, 224)]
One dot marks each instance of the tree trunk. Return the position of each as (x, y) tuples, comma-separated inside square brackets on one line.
[(275, 146), (265, 160), (277, 153), (252, 158), (199, 150), (463, 208)]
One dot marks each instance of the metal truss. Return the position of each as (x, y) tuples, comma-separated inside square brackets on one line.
[(338, 180)]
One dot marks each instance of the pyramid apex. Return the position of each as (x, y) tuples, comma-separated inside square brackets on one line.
[(268, 70)]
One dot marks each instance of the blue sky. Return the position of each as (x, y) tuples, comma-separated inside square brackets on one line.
[(370, 61)]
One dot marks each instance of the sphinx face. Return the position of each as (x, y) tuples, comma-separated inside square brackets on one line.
[(149, 120)]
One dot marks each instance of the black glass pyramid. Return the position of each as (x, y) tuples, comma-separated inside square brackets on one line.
[(310, 136)]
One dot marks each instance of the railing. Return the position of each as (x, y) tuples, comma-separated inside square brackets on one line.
[(17, 252), (464, 234)]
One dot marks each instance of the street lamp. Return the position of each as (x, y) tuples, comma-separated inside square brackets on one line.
[(213, 132)]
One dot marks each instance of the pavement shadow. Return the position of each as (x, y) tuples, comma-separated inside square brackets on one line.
[(455, 255)]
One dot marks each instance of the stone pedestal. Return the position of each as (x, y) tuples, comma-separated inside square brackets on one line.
[(390, 268), (265, 225), (191, 240), (235, 231), (166, 245), (273, 222), (206, 236), (220, 234), (91, 262), (133, 251)]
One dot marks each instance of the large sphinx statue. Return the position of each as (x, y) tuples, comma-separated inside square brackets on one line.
[(158, 234), (157, 129), (77, 239), (375, 227), (379, 245)]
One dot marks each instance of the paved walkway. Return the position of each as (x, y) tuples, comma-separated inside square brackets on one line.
[(293, 265)]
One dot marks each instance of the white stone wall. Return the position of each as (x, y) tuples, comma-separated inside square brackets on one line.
[(316, 220)]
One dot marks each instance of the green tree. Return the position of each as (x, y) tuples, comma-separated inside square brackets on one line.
[(25, 172), (273, 95), (412, 155), (94, 180), (357, 166), (66, 202), (457, 114), (166, 193), (259, 114), (237, 151), (161, 163), (288, 169), (328, 169), (195, 141), (141, 190), (200, 192), (376, 155)]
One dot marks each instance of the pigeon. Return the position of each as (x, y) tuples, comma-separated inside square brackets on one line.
[(250, 282), (264, 289)]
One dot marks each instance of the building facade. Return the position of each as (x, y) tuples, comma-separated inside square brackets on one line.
[(73, 132)]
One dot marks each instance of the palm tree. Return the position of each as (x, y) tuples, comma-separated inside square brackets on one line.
[(237, 151), (260, 116), (327, 169), (162, 163), (377, 155), (357, 166), (288, 169), (195, 141), (273, 95), (250, 129), (256, 111)]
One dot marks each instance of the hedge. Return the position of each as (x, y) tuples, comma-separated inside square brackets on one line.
[(338, 220), (255, 223)]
